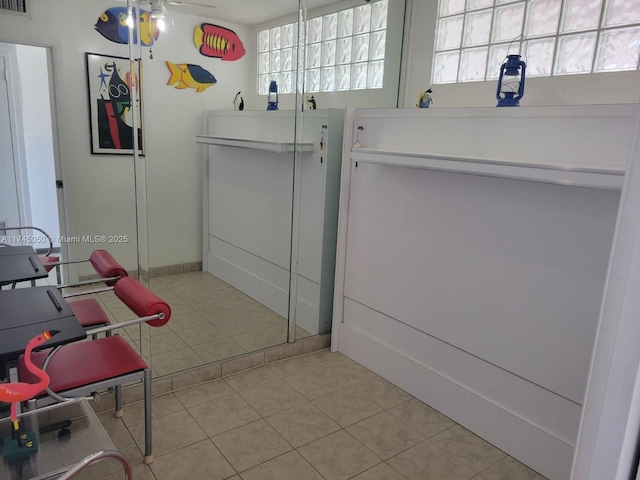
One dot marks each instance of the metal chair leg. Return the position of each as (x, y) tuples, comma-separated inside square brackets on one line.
[(33, 420), (118, 413), (148, 456)]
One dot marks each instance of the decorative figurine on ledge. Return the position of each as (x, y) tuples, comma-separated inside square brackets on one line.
[(311, 102), (511, 82), (238, 105), (424, 99)]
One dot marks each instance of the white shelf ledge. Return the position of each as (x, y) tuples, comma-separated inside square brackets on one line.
[(273, 147), (606, 178)]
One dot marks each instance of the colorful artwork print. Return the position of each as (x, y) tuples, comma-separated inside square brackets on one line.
[(218, 42), (111, 114), (188, 75), (112, 25)]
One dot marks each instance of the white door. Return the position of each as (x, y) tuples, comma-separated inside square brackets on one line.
[(10, 212), (28, 194)]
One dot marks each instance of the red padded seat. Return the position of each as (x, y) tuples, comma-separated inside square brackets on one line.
[(79, 364), (89, 312), (46, 260)]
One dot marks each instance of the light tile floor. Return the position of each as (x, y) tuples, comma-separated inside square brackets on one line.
[(320, 416), (211, 321)]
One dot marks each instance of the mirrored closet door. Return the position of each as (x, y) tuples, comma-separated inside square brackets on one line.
[(228, 199), (243, 148)]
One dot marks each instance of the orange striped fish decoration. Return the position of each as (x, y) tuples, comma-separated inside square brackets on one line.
[(218, 42)]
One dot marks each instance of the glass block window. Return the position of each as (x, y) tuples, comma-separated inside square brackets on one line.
[(554, 37), (344, 51)]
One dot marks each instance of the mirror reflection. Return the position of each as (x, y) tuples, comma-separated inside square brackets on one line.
[(240, 239)]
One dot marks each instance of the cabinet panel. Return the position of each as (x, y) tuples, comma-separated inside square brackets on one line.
[(474, 251), (507, 270), (248, 203)]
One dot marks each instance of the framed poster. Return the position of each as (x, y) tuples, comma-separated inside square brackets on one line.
[(110, 84)]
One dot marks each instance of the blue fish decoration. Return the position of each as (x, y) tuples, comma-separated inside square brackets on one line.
[(112, 25), (188, 75)]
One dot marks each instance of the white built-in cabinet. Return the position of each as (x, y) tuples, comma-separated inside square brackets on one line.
[(472, 255), (249, 207)]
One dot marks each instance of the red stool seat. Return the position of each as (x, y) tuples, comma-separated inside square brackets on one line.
[(46, 260), (79, 364), (89, 312)]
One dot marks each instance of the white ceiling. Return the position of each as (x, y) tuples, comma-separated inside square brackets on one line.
[(245, 12)]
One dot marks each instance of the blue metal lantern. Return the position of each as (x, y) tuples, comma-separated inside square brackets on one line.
[(272, 97), (511, 82)]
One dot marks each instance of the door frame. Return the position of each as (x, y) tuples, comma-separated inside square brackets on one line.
[(57, 157)]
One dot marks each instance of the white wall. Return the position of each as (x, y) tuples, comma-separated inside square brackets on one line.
[(99, 188), (38, 140), (593, 89)]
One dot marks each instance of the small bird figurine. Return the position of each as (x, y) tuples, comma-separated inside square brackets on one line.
[(424, 99), (312, 103), (16, 392)]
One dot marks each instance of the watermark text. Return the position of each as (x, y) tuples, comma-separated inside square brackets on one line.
[(43, 239)]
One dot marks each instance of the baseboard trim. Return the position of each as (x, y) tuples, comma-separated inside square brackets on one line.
[(154, 272)]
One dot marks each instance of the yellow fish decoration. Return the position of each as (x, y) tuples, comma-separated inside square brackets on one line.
[(187, 75)]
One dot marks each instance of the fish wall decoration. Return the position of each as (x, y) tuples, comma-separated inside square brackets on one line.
[(112, 25), (188, 75), (218, 42)]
